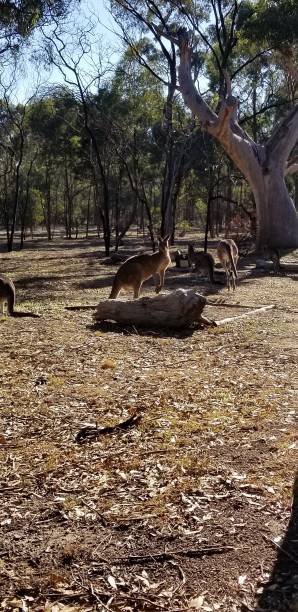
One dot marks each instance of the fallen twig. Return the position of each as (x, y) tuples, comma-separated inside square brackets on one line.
[(93, 432), (233, 305), (81, 307), (171, 555), (245, 314)]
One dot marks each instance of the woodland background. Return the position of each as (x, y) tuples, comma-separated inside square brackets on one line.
[(111, 144)]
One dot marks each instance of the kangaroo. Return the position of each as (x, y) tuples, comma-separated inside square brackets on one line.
[(8, 297), (202, 261), (137, 269), (227, 252)]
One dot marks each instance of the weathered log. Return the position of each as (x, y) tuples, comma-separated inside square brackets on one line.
[(286, 266), (181, 260), (178, 309)]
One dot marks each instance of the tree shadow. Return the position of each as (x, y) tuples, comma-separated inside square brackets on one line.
[(98, 282), (281, 592), (30, 282)]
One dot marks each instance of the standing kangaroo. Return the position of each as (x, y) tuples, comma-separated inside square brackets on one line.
[(8, 297), (137, 269), (227, 252), (202, 261)]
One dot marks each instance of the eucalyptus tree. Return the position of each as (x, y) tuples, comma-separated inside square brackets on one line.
[(136, 21), (213, 29), (135, 133), (13, 135), (19, 18), (71, 52)]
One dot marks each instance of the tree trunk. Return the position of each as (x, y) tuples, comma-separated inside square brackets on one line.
[(48, 202), (88, 212), (25, 208), (121, 233)]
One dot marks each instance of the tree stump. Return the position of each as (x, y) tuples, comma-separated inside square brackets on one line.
[(178, 309), (181, 260)]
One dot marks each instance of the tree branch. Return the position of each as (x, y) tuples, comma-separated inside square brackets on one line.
[(191, 96), (283, 139)]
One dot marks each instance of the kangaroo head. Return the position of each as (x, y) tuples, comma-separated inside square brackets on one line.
[(163, 243)]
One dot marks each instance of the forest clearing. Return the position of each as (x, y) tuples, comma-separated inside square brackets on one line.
[(188, 509)]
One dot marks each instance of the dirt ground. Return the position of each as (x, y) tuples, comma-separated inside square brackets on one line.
[(193, 507)]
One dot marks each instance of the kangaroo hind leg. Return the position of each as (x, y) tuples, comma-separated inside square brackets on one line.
[(161, 275)]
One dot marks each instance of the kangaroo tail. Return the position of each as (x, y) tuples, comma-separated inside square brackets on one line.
[(11, 303), (115, 289), (231, 257)]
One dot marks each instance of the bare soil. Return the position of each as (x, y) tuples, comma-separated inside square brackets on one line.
[(191, 508)]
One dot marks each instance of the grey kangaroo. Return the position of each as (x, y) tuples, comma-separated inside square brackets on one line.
[(137, 269), (202, 261), (227, 252), (8, 298)]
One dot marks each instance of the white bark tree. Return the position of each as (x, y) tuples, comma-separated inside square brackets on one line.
[(264, 166)]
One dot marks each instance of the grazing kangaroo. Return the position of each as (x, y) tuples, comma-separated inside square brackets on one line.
[(202, 261), (137, 269), (227, 252), (8, 297)]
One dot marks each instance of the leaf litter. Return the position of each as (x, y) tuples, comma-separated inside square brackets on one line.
[(127, 520)]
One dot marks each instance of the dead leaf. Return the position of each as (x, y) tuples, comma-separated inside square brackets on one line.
[(112, 582), (108, 363), (197, 602)]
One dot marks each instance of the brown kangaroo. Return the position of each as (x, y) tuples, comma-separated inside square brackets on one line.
[(227, 252), (137, 269), (202, 261), (8, 297)]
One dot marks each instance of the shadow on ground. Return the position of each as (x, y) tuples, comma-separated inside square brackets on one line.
[(132, 330), (98, 282), (281, 592)]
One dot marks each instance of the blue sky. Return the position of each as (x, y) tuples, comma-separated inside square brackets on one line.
[(25, 83)]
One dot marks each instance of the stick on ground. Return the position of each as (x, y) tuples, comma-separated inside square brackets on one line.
[(251, 313)]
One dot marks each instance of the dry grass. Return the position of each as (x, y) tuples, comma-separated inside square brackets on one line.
[(211, 463)]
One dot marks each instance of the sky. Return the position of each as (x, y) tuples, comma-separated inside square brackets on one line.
[(26, 82)]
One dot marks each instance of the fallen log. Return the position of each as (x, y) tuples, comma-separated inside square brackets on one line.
[(178, 309), (286, 266)]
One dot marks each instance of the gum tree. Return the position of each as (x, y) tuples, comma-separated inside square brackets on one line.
[(187, 25)]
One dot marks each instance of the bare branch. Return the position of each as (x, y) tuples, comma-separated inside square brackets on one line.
[(250, 61)]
